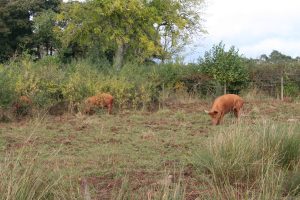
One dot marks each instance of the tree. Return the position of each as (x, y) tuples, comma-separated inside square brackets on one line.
[(16, 30), (263, 57), (179, 21), (44, 35), (226, 67), (276, 57), (132, 29)]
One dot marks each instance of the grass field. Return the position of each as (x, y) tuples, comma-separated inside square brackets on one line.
[(172, 153)]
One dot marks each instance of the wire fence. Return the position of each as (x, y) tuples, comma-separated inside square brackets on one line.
[(277, 85)]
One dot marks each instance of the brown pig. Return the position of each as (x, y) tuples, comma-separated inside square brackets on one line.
[(224, 104), (100, 100)]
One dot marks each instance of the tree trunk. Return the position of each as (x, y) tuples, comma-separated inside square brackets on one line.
[(225, 88), (38, 52), (119, 57), (51, 50), (47, 48)]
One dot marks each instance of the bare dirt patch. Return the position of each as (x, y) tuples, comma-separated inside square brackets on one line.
[(108, 185)]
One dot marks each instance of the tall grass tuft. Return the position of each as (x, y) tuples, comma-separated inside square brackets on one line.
[(252, 162), (24, 177)]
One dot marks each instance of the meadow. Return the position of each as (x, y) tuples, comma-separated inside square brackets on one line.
[(158, 144), (170, 153)]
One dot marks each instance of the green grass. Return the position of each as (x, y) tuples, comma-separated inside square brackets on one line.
[(173, 153)]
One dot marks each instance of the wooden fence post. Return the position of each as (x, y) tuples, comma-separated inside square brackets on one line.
[(281, 88)]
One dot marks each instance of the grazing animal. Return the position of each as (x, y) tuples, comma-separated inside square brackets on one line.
[(100, 100), (22, 106), (224, 104)]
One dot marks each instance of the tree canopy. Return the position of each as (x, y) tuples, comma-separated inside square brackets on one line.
[(16, 25), (135, 29), (117, 30)]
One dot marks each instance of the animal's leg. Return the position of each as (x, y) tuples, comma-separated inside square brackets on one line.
[(238, 108), (220, 119), (237, 113), (109, 106)]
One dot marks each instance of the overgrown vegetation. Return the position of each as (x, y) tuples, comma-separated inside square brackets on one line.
[(48, 81), (137, 86), (158, 143), (252, 162), (56, 51), (170, 154)]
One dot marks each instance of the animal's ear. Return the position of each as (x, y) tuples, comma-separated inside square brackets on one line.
[(212, 113)]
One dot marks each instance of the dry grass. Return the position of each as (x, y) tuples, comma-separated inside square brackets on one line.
[(149, 155)]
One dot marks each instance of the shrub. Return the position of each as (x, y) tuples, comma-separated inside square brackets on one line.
[(81, 80), (124, 91), (7, 93), (291, 89)]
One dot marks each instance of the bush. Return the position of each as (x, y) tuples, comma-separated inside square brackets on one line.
[(291, 89), (81, 81), (7, 93), (48, 81)]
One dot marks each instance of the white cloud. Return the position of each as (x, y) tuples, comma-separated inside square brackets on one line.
[(288, 47), (253, 26)]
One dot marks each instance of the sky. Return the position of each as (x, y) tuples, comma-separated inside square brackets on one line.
[(254, 27)]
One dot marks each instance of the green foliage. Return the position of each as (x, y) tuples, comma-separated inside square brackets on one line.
[(227, 67), (137, 37), (124, 91), (266, 75), (117, 30), (7, 94), (81, 81), (276, 57), (16, 27), (40, 81), (26, 82), (291, 89), (48, 81), (20, 76), (44, 34)]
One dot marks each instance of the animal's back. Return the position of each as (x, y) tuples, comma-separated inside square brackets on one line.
[(104, 99), (227, 102), (99, 100), (25, 99)]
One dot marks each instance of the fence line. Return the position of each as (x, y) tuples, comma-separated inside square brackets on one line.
[(277, 88)]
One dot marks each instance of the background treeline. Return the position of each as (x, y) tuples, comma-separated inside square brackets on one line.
[(55, 51), (114, 30)]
